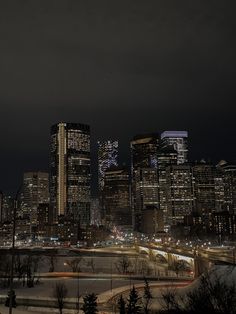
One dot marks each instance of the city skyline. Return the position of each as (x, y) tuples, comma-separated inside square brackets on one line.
[(124, 157), (117, 156), (122, 69)]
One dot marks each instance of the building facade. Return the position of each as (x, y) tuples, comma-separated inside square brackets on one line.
[(205, 192), (144, 175), (116, 195), (180, 195), (35, 192), (165, 157), (70, 174), (179, 141), (107, 158)]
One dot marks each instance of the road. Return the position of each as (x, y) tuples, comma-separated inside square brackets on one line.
[(86, 285)]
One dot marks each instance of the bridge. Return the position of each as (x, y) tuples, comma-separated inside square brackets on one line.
[(198, 259)]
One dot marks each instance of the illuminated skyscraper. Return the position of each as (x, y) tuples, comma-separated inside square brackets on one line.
[(179, 141), (180, 196), (165, 157), (144, 175), (144, 151), (228, 171), (107, 158), (205, 191), (117, 197), (70, 172), (7, 208), (35, 192)]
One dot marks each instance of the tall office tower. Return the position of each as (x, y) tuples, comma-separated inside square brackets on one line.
[(35, 192), (7, 208), (107, 158), (144, 151), (116, 195), (70, 172), (165, 157), (205, 192), (179, 140), (229, 180), (143, 156), (146, 196), (219, 191), (224, 226), (180, 193)]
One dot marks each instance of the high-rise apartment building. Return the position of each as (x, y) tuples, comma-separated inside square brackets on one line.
[(35, 192), (179, 140), (70, 178), (107, 158)]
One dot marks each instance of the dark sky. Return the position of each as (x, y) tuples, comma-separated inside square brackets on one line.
[(124, 67)]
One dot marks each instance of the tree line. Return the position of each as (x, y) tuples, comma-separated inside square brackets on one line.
[(213, 295)]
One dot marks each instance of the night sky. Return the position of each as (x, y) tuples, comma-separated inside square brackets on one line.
[(124, 67)]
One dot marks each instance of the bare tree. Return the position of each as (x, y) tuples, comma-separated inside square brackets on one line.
[(169, 301), (74, 264), (213, 295), (60, 293), (123, 264), (91, 264), (144, 267), (52, 259), (5, 268), (31, 264)]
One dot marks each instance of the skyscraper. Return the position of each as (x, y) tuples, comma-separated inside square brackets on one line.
[(180, 195), (229, 180), (205, 191), (70, 172), (179, 140), (144, 151), (107, 158), (146, 196), (165, 157), (35, 192), (144, 174), (117, 197)]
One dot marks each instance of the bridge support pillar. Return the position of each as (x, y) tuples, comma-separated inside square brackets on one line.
[(171, 259), (200, 266)]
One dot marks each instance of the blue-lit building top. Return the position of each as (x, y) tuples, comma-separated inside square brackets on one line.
[(179, 141)]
